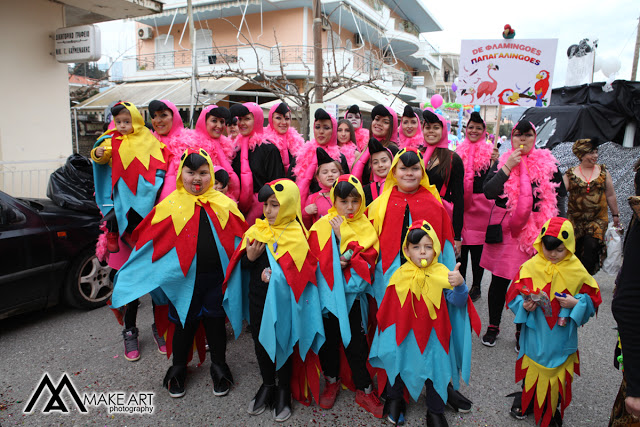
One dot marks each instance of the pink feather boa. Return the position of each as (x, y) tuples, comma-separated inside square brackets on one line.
[(307, 156), (482, 157), (290, 141), (542, 166), (414, 142)]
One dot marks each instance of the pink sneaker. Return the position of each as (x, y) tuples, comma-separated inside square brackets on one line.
[(160, 342), (131, 345)]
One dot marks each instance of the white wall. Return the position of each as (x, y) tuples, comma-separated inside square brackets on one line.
[(34, 101)]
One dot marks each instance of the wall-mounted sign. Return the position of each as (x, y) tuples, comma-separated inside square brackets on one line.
[(78, 44)]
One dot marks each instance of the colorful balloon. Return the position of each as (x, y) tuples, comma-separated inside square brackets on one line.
[(454, 87), (436, 100)]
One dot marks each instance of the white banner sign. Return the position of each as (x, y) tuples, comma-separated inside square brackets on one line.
[(507, 72), (78, 44)]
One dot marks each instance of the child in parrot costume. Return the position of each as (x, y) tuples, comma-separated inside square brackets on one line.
[(346, 246), (185, 243), (414, 342), (391, 214), (548, 354), (129, 166), (271, 282)]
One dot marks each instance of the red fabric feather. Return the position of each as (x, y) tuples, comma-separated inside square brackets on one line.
[(414, 315), (423, 206), (135, 168)]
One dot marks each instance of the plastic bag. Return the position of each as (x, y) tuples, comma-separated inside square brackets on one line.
[(613, 261), (71, 186)]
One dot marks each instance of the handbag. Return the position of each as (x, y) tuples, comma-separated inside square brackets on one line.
[(494, 231)]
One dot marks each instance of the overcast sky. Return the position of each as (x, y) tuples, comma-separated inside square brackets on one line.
[(612, 22)]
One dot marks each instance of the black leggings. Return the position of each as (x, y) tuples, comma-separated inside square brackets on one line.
[(588, 252), (267, 366), (216, 338), (497, 294), (357, 351), (476, 254), (131, 313)]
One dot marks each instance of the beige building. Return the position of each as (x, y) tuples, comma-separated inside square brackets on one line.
[(375, 41), (35, 129)]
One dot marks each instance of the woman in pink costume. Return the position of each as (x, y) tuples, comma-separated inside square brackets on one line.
[(325, 133), (285, 137), (525, 184), (477, 157), (445, 170), (347, 141), (409, 132), (362, 134), (384, 128), (256, 161)]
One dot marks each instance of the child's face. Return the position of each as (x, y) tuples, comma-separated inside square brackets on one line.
[(380, 164), (410, 126), (344, 133), (322, 130), (421, 250), (162, 122), (432, 133), (408, 177), (327, 174), (281, 122), (347, 207), (123, 121), (555, 255), (355, 119), (271, 208), (197, 181), (245, 124), (215, 126), (380, 126), (219, 187)]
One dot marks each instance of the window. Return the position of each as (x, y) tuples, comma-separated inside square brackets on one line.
[(164, 51)]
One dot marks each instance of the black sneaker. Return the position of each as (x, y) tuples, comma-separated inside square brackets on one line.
[(516, 407), (174, 380), (475, 293), (222, 379), (489, 339)]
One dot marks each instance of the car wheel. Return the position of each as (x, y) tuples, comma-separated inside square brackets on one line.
[(89, 282)]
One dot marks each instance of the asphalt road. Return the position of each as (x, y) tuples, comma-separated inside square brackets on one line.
[(88, 347)]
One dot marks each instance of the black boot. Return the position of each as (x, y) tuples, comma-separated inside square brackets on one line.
[(262, 400), (282, 404), (175, 380), (222, 379), (436, 420), (457, 401)]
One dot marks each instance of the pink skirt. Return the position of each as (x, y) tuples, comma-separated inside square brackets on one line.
[(476, 219), (503, 259)]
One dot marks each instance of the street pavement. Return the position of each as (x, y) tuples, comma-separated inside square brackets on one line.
[(88, 347)]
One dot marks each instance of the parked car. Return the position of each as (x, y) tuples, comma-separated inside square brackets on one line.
[(48, 256)]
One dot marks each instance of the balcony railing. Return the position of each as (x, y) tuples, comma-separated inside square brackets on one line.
[(343, 60), (182, 58)]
